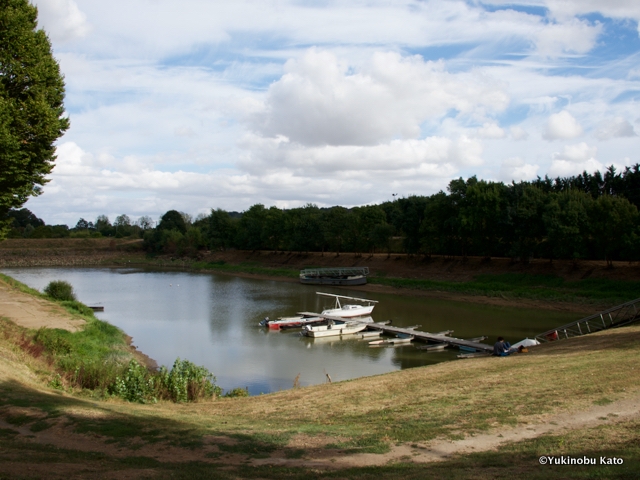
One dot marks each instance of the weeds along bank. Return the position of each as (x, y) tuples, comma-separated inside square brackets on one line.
[(97, 360)]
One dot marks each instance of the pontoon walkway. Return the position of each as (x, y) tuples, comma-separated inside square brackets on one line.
[(431, 337)]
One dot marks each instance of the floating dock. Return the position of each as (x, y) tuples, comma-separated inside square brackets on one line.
[(431, 337)]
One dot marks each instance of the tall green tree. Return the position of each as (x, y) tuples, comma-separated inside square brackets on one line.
[(614, 223), (31, 106)]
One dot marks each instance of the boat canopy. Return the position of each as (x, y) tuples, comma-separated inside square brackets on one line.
[(337, 297)]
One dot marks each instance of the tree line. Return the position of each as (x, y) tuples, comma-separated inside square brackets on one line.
[(588, 216)]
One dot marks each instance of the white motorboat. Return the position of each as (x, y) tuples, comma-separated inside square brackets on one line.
[(310, 318), (334, 329)]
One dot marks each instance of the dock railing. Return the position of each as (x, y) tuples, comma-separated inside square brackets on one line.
[(614, 317)]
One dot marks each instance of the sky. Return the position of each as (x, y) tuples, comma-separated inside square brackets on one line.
[(204, 104)]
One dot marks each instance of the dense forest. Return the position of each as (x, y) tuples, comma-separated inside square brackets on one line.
[(589, 216)]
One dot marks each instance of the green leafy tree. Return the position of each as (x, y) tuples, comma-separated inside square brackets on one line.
[(335, 223), (220, 230), (173, 220), (614, 225), (251, 226), (566, 220), (122, 226), (526, 230), (31, 106), (103, 225)]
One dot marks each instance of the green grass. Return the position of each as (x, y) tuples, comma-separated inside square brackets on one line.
[(246, 267), (411, 407), (511, 285), (516, 285)]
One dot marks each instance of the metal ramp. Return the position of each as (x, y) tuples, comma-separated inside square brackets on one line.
[(614, 317)]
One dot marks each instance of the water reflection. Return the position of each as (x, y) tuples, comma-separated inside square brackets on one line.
[(212, 320)]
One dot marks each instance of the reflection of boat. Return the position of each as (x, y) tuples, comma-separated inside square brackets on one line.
[(309, 318)]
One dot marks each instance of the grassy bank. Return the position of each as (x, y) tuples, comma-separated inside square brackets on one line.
[(507, 285), (536, 287), (97, 360), (246, 267), (320, 431)]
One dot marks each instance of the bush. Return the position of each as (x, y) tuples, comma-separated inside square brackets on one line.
[(54, 341), (136, 385), (60, 290), (237, 392), (187, 382)]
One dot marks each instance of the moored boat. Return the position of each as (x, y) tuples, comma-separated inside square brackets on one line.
[(334, 328), (348, 310)]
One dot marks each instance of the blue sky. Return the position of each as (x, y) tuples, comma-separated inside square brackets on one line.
[(206, 104)]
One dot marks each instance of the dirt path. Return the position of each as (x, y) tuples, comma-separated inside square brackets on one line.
[(438, 451), (31, 312), (62, 435)]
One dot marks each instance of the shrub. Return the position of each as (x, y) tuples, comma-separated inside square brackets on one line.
[(136, 385), (237, 392), (60, 290), (187, 382), (54, 341)]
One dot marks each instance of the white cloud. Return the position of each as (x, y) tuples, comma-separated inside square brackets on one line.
[(491, 130), (321, 100), (615, 128), (575, 159), (573, 36), (518, 133), (562, 126), (517, 169), (62, 19), (203, 104), (401, 158)]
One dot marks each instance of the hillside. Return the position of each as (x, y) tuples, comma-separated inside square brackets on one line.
[(486, 418)]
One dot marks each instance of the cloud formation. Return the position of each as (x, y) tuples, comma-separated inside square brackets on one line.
[(321, 100), (562, 125), (225, 104)]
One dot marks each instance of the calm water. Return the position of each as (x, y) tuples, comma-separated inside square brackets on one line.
[(212, 320)]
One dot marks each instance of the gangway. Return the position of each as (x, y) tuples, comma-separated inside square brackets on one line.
[(614, 317)]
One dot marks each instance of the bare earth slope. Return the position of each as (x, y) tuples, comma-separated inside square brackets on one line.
[(32, 312)]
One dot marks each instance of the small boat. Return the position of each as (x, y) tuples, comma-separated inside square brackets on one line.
[(400, 340), (291, 322), (336, 327), (435, 347), (366, 335)]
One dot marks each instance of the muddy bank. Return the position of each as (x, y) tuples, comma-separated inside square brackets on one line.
[(112, 252), (433, 268)]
